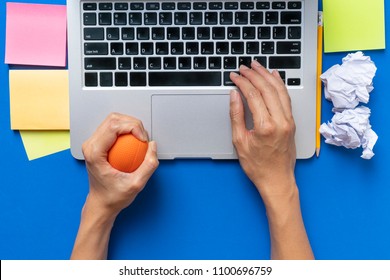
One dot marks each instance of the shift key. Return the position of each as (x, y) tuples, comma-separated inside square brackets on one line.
[(100, 63)]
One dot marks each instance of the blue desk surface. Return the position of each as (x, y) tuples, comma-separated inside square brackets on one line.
[(200, 209)]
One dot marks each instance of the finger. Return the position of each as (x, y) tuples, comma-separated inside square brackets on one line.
[(276, 81), (113, 126), (259, 79), (253, 96), (237, 116), (149, 165)]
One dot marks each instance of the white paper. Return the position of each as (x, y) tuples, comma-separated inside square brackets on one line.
[(351, 128), (349, 84)]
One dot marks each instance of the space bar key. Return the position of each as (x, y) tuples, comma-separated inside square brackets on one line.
[(185, 78)]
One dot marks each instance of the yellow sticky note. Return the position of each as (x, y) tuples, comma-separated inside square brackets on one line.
[(39, 99), (351, 25), (43, 143)]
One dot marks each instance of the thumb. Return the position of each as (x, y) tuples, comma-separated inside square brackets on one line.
[(149, 165), (237, 116)]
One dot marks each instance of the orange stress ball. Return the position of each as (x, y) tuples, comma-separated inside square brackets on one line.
[(127, 153)]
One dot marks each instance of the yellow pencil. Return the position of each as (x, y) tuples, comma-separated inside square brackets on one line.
[(319, 71)]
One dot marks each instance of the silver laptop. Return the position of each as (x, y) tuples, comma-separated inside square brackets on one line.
[(167, 63)]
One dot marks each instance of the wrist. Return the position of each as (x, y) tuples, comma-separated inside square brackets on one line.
[(96, 214)]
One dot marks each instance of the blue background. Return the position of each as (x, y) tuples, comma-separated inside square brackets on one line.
[(200, 209)]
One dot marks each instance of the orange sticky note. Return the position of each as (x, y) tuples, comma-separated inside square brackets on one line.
[(36, 34), (39, 99)]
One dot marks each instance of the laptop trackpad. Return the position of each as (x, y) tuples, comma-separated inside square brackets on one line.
[(191, 126)]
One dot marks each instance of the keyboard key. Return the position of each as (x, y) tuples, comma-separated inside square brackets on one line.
[(150, 18), (139, 63), (105, 19), (112, 33), (256, 17), (226, 18), (100, 63), (262, 60), (222, 47), (267, 47), (199, 63), (200, 6), (285, 62), (177, 48), (132, 48), (272, 17), (121, 6), (105, 6), (279, 5), (241, 18), (245, 60), (229, 62), (237, 47), (184, 6), (192, 48), (294, 82), (234, 33), (192, 78), (264, 32), (203, 33), (128, 33), (147, 48), (263, 5), (231, 6), (279, 32), (162, 48), (215, 62), (165, 18), (294, 32), (248, 33), (105, 79), (135, 18), (168, 6), (188, 33), (124, 63), (143, 33), (226, 79), (91, 33), (116, 49), (291, 17), (252, 48), (137, 6), (247, 5), (211, 18), (185, 62), (219, 33), (121, 79), (288, 47), (154, 63), (215, 5), (89, 6), (120, 18), (181, 18), (96, 48), (169, 63), (152, 6), (91, 79), (137, 79), (89, 18), (295, 5), (158, 33), (173, 33), (207, 48), (196, 18)]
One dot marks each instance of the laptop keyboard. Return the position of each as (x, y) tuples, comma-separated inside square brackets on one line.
[(188, 43)]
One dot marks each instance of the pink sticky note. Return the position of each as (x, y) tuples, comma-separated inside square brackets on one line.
[(36, 34)]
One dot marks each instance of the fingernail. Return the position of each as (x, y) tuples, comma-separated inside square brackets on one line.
[(153, 146), (255, 63), (233, 95), (243, 67), (234, 74)]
